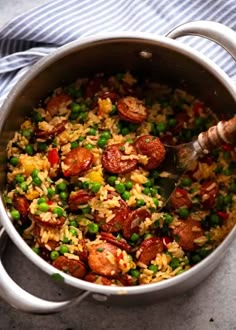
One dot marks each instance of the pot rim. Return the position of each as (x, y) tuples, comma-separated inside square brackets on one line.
[(43, 64)]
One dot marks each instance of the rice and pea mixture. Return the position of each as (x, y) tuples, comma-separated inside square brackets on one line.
[(83, 182)]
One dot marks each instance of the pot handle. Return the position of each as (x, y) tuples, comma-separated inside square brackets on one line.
[(24, 301), (217, 32)]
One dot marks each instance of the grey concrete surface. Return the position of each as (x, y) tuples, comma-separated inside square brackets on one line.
[(209, 306)]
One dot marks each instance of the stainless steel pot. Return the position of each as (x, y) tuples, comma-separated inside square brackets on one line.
[(160, 58)]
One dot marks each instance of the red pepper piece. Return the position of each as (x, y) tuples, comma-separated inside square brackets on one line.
[(223, 215), (53, 157)]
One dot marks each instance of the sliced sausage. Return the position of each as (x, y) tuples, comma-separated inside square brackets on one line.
[(56, 102), (112, 159), (83, 255), (186, 232), (181, 119), (73, 267), (107, 94), (152, 147), (76, 161), (132, 109), (126, 280), (132, 222), (208, 193), (102, 259), (180, 198), (121, 242), (52, 222), (116, 223), (39, 133), (22, 205), (149, 249), (94, 278), (79, 197)]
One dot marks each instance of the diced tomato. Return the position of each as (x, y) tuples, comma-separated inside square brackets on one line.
[(53, 156), (197, 108), (223, 215), (181, 191), (166, 240), (227, 147), (49, 202)]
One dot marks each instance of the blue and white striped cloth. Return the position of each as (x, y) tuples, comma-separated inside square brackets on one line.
[(29, 37)]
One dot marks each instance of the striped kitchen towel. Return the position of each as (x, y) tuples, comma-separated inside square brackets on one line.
[(29, 37)]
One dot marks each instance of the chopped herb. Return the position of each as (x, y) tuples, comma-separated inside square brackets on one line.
[(100, 249)]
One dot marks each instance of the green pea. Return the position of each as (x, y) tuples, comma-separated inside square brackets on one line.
[(34, 173), (174, 263), (15, 214), (134, 237), (54, 255), (73, 231), (37, 117), (156, 202), (93, 228), (125, 195), (120, 188), (37, 181), (161, 127), (61, 186), (42, 146), (114, 110), (81, 138), (65, 240), (95, 187), (92, 131), (214, 220), (74, 223), (172, 122), (186, 182), (128, 185), (181, 271), (58, 211), (140, 203), (82, 117), (135, 273), (183, 212), (86, 185), (129, 140), (148, 183), (125, 131), (26, 133), (112, 180), (75, 107), (106, 135), (232, 187), (29, 149), (74, 144), (83, 107), (153, 191), (154, 268), (146, 191), (199, 121), (228, 199), (64, 249), (51, 192), (24, 186), (86, 210), (147, 235), (196, 258), (14, 161), (36, 250), (73, 91), (168, 218), (43, 207), (41, 200), (157, 223), (102, 142), (63, 195), (89, 146), (227, 171)]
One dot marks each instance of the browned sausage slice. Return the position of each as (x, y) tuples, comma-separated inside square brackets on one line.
[(153, 148), (180, 198), (208, 193), (73, 267), (94, 278), (112, 159), (39, 133), (121, 243), (76, 161), (132, 109), (22, 205), (149, 249), (52, 222), (56, 102), (83, 255), (116, 223), (108, 94), (79, 197), (132, 222), (186, 232), (102, 259)]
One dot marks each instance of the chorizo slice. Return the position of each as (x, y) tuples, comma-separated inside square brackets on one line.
[(113, 160), (83, 254), (51, 222), (149, 249), (103, 260), (79, 197), (57, 129), (208, 193), (57, 102), (126, 280), (131, 109), (116, 223), (186, 232), (132, 222), (22, 205), (121, 242), (73, 267), (152, 147), (98, 279), (108, 94), (76, 161), (180, 198)]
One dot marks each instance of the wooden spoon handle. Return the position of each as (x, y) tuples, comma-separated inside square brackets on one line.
[(223, 132)]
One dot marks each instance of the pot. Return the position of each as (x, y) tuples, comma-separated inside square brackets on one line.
[(159, 58)]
